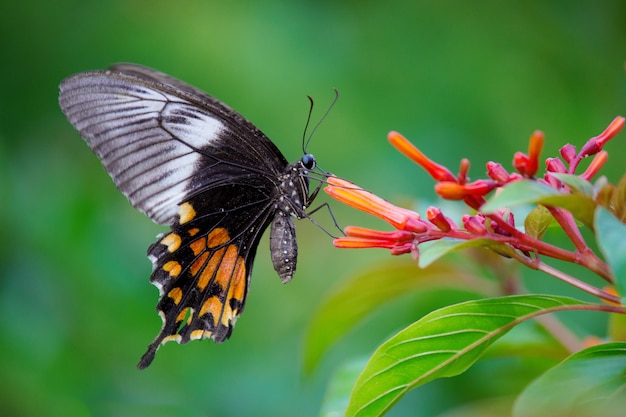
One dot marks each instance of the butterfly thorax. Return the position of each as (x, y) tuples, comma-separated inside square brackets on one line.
[(293, 190), (292, 202)]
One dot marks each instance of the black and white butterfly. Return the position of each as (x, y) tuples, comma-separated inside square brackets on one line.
[(188, 161)]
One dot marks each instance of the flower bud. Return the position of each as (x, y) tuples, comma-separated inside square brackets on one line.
[(497, 172), (568, 153)]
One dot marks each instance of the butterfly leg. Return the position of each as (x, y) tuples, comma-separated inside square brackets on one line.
[(332, 216)]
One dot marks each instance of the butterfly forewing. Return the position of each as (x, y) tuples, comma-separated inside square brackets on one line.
[(190, 162), (152, 137)]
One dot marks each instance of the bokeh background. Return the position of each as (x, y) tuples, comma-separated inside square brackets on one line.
[(460, 79)]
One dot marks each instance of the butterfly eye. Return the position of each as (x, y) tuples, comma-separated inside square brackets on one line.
[(308, 161)]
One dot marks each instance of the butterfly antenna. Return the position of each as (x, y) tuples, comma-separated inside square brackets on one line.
[(305, 143)]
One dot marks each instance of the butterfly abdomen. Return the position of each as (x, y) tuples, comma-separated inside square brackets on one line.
[(283, 246)]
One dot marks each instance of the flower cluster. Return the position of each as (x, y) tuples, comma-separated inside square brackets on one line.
[(499, 227)]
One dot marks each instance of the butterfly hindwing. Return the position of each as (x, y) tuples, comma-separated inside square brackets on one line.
[(202, 267)]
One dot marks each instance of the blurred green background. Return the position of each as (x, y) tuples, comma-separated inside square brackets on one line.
[(460, 79)]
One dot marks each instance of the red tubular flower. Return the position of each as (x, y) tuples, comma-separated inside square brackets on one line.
[(438, 172), (595, 144), (497, 172), (436, 217), (354, 196), (450, 190), (568, 153), (362, 243), (520, 162), (473, 225), (552, 181), (463, 170), (474, 201), (613, 129), (555, 165), (360, 237), (535, 146), (397, 236), (454, 191), (401, 250), (598, 162)]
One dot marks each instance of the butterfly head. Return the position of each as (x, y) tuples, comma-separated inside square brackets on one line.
[(308, 161)]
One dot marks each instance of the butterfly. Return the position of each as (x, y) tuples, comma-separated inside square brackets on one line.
[(188, 161)]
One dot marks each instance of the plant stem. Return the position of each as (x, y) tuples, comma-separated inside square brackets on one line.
[(541, 266), (591, 262), (568, 224)]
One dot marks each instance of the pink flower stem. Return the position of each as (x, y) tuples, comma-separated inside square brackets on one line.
[(541, 266), (577, 283), (523, 240), (574, 163), (567, 222), (590, 259)]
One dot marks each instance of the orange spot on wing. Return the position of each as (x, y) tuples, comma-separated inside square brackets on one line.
[(172, 267), (216, 261), (236, 283), (217, 237), (181, 316), (198, 263), (197, 246), (227, 266), (176, 294), (186, 213), (193, 232), (173, 337), (200, 334), (172, 241), (213, 306), (226, 269)]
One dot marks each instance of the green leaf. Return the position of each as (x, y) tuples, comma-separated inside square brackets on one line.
[(532, 192), (575, 183), (588, 383), (618, 200), (432, 251), (339, 387), (616, 327), (518, 193), (611, 235), (530, 339), (369, 290), (443, 343), (537, 222), (581, 207)]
